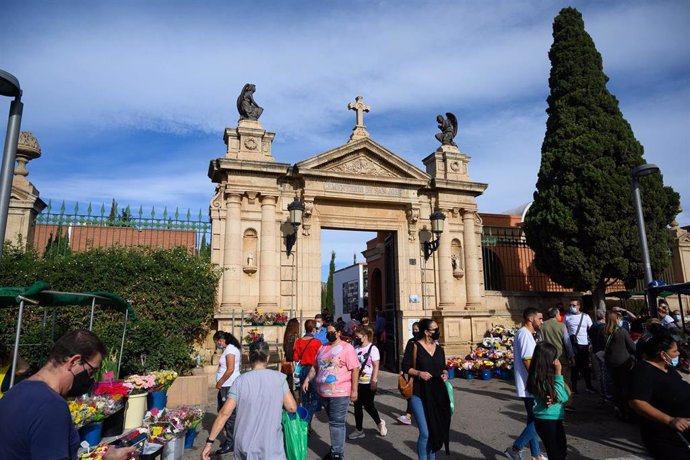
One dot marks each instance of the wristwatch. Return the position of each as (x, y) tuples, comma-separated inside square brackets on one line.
[(210, 441)]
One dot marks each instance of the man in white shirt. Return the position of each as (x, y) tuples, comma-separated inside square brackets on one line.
[(523, 347), (578, 325)]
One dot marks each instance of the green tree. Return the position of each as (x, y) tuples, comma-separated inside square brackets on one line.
[(112, 216), (581, 224), (327, 303)]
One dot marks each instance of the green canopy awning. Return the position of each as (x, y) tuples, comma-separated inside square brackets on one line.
[(39, 293)]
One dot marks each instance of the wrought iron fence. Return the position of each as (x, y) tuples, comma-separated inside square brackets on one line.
[(59, 231), (509, 265)]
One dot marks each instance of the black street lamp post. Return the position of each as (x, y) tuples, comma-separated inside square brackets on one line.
[(9, 86), (296, 209), (437, 219)]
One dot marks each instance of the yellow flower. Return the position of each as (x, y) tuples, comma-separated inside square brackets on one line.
[(156, 431)]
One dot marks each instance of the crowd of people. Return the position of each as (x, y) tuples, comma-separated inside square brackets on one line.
[(639, 363)]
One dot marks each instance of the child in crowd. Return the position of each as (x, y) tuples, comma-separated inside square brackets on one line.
[(550, 392)]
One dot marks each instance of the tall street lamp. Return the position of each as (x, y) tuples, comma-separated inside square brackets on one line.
[(437, 219), (640, 171), (296, 209), (9, 86)]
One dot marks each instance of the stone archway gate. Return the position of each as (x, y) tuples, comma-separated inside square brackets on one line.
[(360, 185)]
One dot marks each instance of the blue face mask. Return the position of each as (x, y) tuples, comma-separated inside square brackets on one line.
[(675, 361), (573, 310), (620, 323)]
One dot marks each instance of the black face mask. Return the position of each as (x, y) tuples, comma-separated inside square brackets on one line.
[(330, 336), (357, 342), (436, 335), (82, 383)]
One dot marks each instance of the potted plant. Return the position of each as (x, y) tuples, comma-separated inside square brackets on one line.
[(136, 403)]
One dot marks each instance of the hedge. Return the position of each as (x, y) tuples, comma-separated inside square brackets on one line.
[(173, 293)]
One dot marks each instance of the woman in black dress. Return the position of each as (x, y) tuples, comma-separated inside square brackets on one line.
[(430, 403)]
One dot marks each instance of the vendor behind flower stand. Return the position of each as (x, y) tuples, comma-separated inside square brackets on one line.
[(34, 416)]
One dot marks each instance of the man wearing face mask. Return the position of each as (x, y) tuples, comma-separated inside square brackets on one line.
[(319, 330), (662, 399), (578, 325), (35, 419)]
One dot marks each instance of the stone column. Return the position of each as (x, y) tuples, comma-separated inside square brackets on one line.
[(232, 254), (474, 297), (270, 261), (445, 270)]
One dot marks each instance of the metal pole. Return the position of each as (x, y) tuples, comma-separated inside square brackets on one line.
[(637, 200), (241, 327), (93, 308), (122, 344), (8, 159), (233, 321), (15, 355), (424, 285)]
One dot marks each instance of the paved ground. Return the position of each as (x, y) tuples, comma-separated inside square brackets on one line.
[(487, 419)]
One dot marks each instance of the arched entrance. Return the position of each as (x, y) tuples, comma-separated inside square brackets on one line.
[(360, 185)]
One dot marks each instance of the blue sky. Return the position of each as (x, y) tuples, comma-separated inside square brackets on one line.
[(129, 99)]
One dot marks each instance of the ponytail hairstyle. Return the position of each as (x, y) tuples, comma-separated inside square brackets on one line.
[(229, 339), (541, 380), (258, 352)]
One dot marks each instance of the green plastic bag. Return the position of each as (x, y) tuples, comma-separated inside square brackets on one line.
[(294, 436), (451, 397)]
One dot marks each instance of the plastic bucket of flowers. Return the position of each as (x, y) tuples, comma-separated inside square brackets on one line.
[(91, 433), (158, 396), (136, 403), (189, 417), (118, 391)]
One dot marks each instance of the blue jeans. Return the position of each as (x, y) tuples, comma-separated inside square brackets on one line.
[(310, 399), (423, 451), (529, 434), (336, 408)]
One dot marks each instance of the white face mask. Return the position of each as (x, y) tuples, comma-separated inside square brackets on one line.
[(318, 325)]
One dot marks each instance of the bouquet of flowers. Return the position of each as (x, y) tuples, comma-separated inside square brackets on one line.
[(259, 318), (163, 418), (454, 362), (253, 336), (140, 383), (92, 409), (96, 453), (106, 372), (467, 365), (163, 380), (190, 416), (484, 365), (116, 389)]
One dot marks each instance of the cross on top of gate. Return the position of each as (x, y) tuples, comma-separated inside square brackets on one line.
[(359, 131)]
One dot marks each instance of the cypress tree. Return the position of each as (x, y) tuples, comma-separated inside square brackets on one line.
[(581, 224), (330, 303)]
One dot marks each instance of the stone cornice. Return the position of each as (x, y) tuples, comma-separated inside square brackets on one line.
[(219, 167)]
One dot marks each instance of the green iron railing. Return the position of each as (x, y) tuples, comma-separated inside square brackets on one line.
[(60, 230)]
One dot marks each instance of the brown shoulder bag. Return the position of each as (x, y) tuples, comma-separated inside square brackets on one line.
[(406, 384)]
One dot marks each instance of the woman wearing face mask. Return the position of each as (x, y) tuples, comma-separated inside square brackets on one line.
[(619, 352), (662, 399), (430, 402), (369, 358), (406, 419), (228, 371), (336, 374)]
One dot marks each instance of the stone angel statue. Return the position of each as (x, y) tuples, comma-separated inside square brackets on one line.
[(246, 106), (449, 129)]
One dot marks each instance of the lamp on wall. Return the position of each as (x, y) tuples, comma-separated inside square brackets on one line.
[(437, 219), (640, 171), (295, 209), (9, 86)]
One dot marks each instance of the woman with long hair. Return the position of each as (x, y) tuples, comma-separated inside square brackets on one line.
[(546, 384), (406, 418), (662, 399), (257, 398), (369, 359), (430, 402), (289, 338), (228, 371), (619, 353)]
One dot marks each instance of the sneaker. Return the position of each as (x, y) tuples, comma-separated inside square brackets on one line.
[(382, 428), (356, 435), (513, 454), (540, 457), (405, 420)]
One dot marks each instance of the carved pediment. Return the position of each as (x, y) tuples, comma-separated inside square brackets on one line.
[(362, 165), (362, 159)]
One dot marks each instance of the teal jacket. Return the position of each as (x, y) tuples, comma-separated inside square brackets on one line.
[(554, 411)]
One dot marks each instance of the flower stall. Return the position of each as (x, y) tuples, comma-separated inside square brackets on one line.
[(492, 357)]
